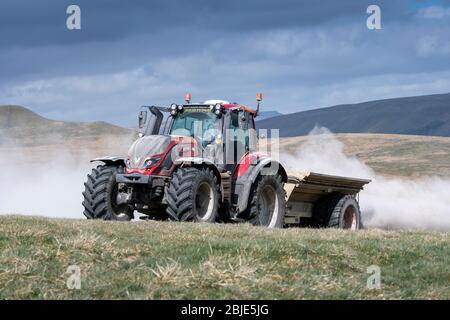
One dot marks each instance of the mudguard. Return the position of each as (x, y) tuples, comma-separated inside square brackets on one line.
[(200, 161), (111, 161), (243, 184)]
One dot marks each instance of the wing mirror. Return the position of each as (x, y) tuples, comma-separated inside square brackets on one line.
[(142, 119)]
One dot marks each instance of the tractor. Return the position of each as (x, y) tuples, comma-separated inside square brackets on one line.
[(200, 162)]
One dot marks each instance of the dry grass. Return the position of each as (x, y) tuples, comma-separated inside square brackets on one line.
[(163, 260)]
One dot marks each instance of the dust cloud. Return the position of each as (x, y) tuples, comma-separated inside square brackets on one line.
[(47, 189), (48, 179), (50, 184), (389, 203)]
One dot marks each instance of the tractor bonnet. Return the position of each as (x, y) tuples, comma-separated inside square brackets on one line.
[(146, 147)]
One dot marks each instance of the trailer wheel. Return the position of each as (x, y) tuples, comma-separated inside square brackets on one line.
[(267, 202), (346, 214), (193, 195), (337, 211), (102, 199)]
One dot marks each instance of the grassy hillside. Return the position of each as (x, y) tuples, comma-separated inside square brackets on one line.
[(20, 124), (27, 137), (184, 261), (424, 115), (390, 154), (262, 115)]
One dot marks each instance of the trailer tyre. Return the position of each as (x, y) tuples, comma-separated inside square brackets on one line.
[(193, 195), (101, 195), (346, 214), (337, 211), (267, 202)]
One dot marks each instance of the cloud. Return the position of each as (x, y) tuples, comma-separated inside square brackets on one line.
[(302, 54), (431, 45), (384, 87), (434, 12)]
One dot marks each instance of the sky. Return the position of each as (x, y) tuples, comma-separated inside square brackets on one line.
[(302, 54)]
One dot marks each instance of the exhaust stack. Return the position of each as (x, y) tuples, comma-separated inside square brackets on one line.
[(259, 97)]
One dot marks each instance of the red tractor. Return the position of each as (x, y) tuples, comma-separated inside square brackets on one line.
[(198, 162)]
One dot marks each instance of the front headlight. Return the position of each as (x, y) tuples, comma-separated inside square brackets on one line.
[(151, 162), (218, 108), (173, 109)]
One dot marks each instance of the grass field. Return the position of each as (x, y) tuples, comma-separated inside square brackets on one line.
[(160, 260)]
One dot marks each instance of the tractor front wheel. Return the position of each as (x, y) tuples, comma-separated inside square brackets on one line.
[(102, 197), (267, 205), (193, 195)]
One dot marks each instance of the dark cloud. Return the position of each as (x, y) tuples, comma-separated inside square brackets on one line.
[(302, 53), (42, 22)]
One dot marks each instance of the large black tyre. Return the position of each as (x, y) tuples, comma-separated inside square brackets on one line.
[(267, 202), (346, 214), (337, 211), (193, 195), (100, 195), (323, 208)]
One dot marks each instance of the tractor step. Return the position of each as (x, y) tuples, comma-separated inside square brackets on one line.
[(226, 187)]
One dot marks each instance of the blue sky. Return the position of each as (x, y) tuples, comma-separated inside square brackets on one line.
[(300, 54)]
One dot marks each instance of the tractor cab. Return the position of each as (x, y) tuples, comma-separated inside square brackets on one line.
[(223, 132)]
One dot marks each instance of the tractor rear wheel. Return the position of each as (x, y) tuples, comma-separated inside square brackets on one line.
[(267, 205), (102, 198), (193, 195)]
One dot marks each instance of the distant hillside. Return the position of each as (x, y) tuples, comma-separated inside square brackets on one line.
[(37, 139), (19, 123), (267, 114), (423, 115), (390, 154)]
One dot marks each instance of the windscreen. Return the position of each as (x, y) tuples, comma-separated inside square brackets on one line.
[(196, 122)]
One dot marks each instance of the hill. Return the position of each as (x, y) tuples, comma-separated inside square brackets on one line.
[(163, 260), (28, 137), (267, 114), (424, 115), (23, 125), (391, 154)]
